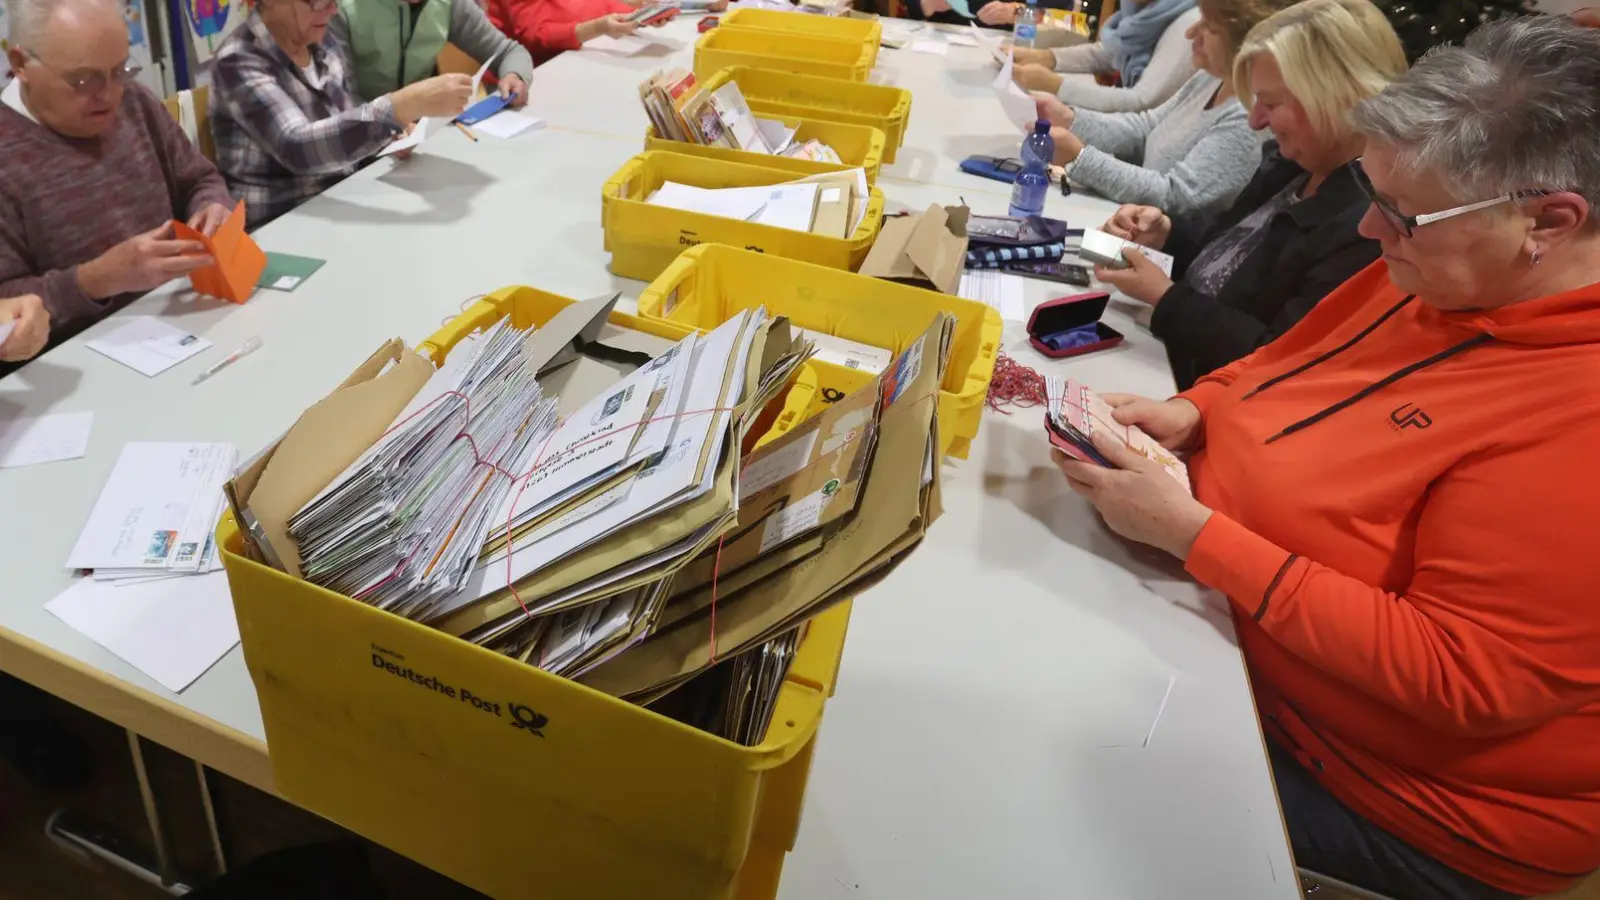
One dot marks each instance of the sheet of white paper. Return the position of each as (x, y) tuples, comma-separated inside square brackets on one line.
[(41, 439), (1001, 291), (627, 45), (143, 512), (998, 49), (1018, 106), (732, 203), (961, 40), (5, 330), (937, 48), (508, 124), (172, 629), (414, 139), (477, 79), (148, 345)]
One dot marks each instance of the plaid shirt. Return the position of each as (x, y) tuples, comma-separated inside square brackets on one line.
[(286, 134)]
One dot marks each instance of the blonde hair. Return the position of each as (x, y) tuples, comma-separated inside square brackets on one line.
[(1333, 54), (1234, 19)]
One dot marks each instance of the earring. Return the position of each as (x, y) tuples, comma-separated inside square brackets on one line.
[(1533, 259)]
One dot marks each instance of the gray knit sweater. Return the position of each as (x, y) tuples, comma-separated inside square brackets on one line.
[(1189, 158)]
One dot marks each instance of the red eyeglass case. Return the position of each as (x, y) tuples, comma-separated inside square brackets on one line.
[(1067, 313)]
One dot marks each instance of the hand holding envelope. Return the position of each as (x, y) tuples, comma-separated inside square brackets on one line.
[(236, 261)]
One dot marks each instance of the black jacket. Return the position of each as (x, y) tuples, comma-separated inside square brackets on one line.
[(1308, 250)]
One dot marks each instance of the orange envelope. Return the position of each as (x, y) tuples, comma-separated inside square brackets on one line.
[(240, 260)]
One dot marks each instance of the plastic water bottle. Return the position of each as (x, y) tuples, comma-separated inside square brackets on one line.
[(1033, 182), (1027, 27)]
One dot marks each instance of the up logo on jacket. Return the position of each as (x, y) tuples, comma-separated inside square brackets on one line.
[(1409, 415)]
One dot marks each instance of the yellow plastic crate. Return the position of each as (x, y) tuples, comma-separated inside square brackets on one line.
[(645, 239), (773, 93), (607, 800), (858, 146), (843, 28), (708, 285), (723, 46)]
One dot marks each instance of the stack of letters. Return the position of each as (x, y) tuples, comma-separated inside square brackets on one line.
[(589, 499)]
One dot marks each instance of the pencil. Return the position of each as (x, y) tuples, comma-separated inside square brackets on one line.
[(467, 132)]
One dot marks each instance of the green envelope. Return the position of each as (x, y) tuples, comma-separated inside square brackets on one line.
[(285, 272)]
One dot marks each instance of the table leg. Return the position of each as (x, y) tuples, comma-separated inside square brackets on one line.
[(204, 776), (152, 812)]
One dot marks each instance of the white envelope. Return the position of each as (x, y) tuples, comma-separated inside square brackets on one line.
[(148, 345)]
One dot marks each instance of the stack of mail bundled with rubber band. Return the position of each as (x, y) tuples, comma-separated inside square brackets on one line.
[(584, 497)]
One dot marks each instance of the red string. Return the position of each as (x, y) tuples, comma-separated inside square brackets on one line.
[(540, 461), (716, 568), (1014, 384)]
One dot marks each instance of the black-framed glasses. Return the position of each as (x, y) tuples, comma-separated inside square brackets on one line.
[(87, 84), (1407, 225)]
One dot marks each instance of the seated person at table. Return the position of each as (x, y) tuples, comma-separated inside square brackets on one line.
[(1193, 153), (1397, 496), (547, 27), (284, 112), (1247, 276), (1144, 45), (990, 13), (92, 169), (29, 322), (396, 43)]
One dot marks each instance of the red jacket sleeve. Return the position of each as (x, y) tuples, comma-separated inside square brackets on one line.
[(549, 26)]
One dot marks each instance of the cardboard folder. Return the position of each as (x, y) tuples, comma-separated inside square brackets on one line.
[(239, 260), (899, 500), (928, 249)]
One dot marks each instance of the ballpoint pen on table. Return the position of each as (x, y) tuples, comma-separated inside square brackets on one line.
[(247, 348)]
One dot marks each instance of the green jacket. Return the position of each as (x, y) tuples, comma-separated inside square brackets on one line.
[(388, 52)]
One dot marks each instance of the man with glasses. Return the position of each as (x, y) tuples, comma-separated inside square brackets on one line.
[(92, 169)]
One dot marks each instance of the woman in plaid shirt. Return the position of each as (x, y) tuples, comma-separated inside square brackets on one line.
[(286, 117)]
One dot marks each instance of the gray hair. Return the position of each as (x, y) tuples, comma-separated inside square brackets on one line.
[(30, 19), (1516, 107)]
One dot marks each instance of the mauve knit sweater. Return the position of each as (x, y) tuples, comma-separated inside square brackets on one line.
[(65, 201)]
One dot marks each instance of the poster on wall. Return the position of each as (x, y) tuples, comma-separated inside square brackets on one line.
[(210, 21), (136, 14), (133, 12)]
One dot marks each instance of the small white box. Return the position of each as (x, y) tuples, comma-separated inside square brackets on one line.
[(1105, 249)]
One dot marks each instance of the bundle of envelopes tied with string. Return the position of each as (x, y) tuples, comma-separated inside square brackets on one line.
[(584, 497)]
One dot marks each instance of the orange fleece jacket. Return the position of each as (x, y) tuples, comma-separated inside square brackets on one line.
[(1415, 575)]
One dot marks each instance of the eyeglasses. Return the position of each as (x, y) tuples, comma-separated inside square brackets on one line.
[(1407, 225), (91, 83), (319, 5)]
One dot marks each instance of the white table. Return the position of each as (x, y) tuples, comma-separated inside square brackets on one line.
[(985, 740)]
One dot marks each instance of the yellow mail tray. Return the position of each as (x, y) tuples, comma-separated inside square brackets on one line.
[(510, 780)]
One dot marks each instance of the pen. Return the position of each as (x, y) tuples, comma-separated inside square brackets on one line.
[(466, 132), (247, 348)]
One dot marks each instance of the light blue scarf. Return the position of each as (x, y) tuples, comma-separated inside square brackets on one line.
[(1131, 33)]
